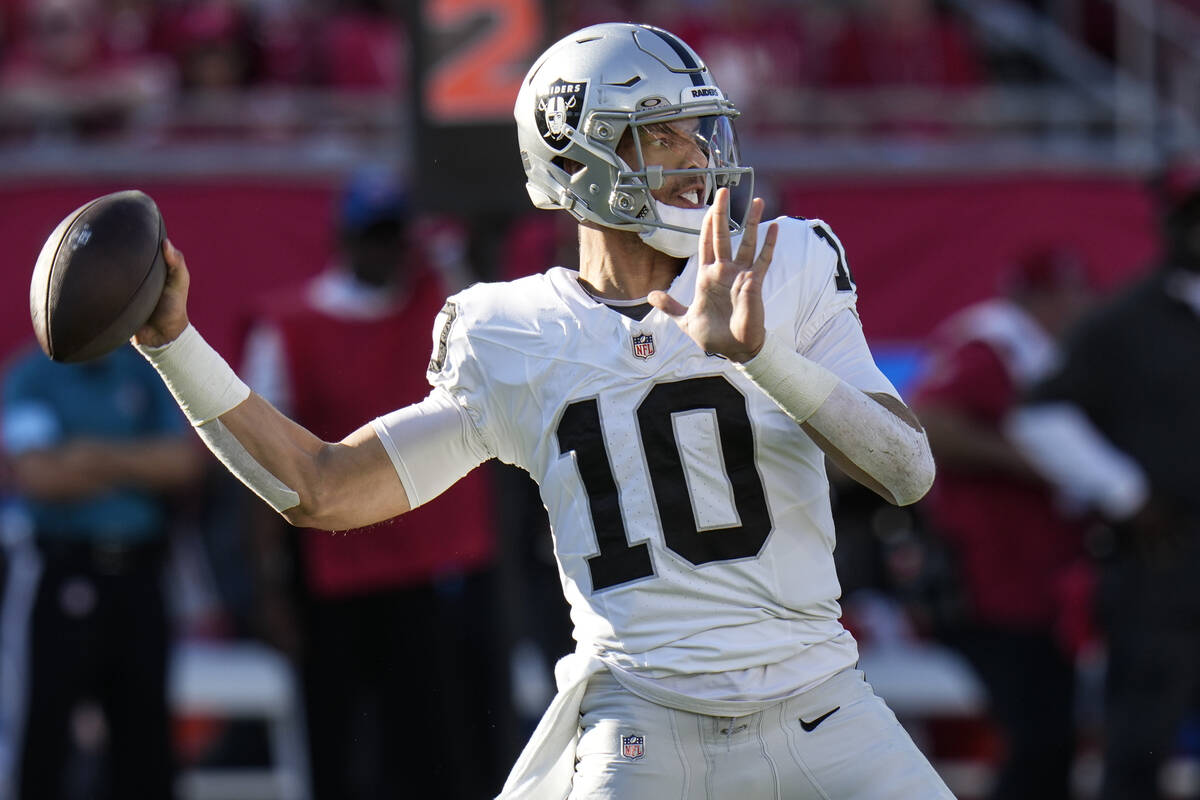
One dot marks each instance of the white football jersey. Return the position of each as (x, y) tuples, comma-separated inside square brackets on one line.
[(691, 516)]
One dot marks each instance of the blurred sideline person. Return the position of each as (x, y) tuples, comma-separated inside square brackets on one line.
[(1013, 544), (1116, 427), (679, 449), (358, 607), (94, 450)]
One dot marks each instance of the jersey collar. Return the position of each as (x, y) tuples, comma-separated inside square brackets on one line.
[(682, 288)]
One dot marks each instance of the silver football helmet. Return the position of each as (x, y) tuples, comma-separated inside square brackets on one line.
[(613, 86)]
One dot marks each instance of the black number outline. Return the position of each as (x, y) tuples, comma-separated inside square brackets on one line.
[(668, 480), (616, 561), (842, 276)]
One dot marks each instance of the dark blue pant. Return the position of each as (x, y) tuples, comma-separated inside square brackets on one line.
[(98, 631)]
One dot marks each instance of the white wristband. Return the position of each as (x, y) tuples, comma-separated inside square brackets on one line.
[(203, 383), (797, 384)]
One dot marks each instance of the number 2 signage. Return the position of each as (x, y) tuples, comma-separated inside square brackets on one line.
[(479, 51)]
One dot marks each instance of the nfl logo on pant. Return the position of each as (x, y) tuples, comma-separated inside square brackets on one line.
[(633, 746)]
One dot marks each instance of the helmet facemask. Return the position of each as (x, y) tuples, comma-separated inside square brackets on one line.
[(669, 200)]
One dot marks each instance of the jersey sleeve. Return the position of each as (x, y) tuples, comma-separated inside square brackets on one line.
[(822, 280), (811, 297), (431, 444), (454, 369), (841, 347), (474, 370)]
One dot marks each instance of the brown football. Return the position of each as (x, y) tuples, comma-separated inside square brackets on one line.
[(98, 277)]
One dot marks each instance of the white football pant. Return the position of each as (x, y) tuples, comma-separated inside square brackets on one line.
[(632, 749)]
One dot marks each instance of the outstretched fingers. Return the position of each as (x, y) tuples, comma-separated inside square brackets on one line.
[(666, 304), (749, 243), (768, 250), (749, 280), (708, 253), (719, 228)]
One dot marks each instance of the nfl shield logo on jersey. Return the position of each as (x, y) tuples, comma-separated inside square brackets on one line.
[(643, 345), (633, 746)]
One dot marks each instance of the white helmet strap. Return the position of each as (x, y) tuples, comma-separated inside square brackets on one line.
[(680, 244)]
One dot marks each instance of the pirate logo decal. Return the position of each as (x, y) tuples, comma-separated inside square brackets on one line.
[(558, 111)]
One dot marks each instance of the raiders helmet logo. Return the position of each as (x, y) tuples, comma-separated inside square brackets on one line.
[(558, 111)]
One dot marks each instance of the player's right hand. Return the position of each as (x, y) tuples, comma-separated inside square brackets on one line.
[(169, 318)]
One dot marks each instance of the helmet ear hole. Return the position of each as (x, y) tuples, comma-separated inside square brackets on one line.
[(567, 165)]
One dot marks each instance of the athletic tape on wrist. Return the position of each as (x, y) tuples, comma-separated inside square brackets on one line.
[(205, 386), (202, 382), (797, 385)]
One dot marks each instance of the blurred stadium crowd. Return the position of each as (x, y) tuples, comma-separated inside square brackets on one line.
[(1014, 156), (181, 68)]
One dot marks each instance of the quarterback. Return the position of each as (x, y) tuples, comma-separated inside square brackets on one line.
[(675, 399)]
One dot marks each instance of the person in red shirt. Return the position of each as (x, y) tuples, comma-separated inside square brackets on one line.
[(390, 618), (1016, 549)]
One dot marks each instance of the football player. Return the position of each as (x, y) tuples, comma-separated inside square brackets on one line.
[(675, 400)]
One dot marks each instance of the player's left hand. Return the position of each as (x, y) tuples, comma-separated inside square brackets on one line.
[(726, 315)]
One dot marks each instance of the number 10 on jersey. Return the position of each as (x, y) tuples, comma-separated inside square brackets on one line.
[(580, 431)]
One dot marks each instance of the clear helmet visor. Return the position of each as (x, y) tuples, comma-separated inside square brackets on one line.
[(680, 149), (719, 139)]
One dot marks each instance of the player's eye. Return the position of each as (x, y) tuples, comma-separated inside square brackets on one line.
[(655, 139)]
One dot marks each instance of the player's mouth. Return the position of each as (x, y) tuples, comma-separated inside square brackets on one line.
[(691, 197)]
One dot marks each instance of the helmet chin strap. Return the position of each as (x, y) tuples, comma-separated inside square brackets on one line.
[(680, 244)]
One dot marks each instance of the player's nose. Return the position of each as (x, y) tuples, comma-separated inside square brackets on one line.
[(695, 157)]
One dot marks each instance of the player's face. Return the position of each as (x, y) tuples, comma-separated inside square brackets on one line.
[(674, 145)]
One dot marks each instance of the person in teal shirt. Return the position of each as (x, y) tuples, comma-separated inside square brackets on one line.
[(94, 450)]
